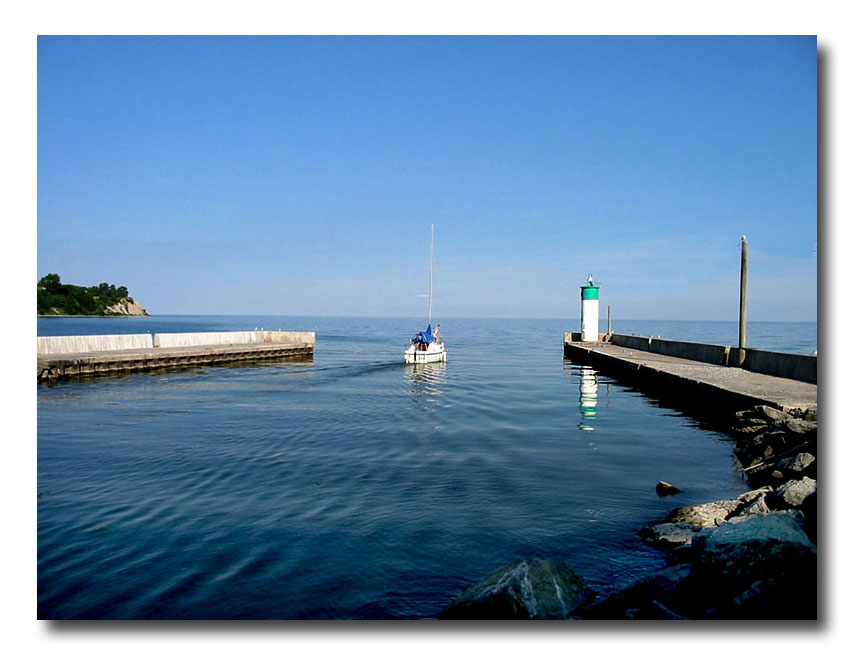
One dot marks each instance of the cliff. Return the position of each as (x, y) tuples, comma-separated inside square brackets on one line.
[(56, 299), (126, 307)]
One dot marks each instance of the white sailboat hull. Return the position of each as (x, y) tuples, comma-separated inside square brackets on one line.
[(434, 352), (422, 349)]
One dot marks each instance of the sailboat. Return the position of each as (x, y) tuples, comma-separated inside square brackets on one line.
[(427, 346)]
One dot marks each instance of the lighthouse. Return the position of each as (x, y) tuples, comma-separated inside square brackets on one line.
[(590, 310)]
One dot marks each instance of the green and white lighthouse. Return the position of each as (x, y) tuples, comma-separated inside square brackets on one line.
[(590, 311)]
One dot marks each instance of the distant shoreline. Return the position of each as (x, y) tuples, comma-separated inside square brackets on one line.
[(93, 316)]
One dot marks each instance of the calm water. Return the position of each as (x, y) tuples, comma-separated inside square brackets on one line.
[(354, 486)]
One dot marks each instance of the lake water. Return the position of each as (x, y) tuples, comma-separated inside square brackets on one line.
[(353, 486)]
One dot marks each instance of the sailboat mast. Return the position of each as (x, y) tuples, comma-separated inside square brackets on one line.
[(431, 260)]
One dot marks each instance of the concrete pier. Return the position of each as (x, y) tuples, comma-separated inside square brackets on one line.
[(62, 357), (705, 373)]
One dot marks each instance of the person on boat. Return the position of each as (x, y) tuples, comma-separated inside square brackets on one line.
[(435, 334)]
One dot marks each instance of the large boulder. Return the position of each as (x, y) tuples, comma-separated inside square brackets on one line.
[(524, 589), (669, 535), (760, 567), (755, 506), (809, 509), (784, 527), (770, 413), (799, 426), (792, 494), (684, 522), (663, 488), (796, 465), (704, 515), (657, 596), (756, 567)]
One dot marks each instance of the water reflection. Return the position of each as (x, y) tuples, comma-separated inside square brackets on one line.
[(426, 379), (588, 391)]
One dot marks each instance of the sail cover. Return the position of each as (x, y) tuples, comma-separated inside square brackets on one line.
[(427, 336)]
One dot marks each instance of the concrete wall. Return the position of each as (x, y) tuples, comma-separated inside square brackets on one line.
[(700, 352), (177, 339), (577, 336), (783, 365), (628, 341), (103, 342), (278, 336), (92, 343)]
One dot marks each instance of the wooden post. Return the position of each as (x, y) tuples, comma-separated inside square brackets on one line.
[(742, 307)]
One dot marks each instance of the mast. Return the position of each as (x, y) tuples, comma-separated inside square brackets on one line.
[(431, 252)]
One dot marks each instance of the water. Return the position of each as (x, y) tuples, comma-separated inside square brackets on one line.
[(354, 486)]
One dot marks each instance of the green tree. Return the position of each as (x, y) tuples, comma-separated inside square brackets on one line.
[(51, 283), (54, 297)]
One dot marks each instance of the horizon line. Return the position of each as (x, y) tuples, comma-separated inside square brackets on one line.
[(493, 318)]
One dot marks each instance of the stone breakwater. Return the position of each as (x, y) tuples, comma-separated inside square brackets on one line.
[(749, 557)]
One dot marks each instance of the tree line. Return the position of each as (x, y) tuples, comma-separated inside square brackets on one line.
[(54, 297)]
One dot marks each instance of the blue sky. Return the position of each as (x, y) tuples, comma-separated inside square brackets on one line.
[(299, 175)]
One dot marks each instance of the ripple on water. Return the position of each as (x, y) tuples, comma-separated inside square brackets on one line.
[(352, 486)]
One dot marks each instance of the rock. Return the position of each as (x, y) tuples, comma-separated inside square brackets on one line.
[(669, 535), (704, 515), (784, 526), (684, 522), (654, 597), (756, 567), (524, 589), (809, 509), (666, 489), (764, 474), (757, 506), (792, 494), (749, 496), (761, 567), (797, 464), (799, 426), (752, 429), (770, 413)]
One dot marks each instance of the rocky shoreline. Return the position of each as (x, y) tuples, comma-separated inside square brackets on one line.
[(749, 557), (122, 308)]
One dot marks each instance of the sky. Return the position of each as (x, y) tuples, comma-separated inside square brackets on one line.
[(300, 175)]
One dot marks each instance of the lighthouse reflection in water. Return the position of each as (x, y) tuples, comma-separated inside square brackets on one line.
[(588, 389)]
